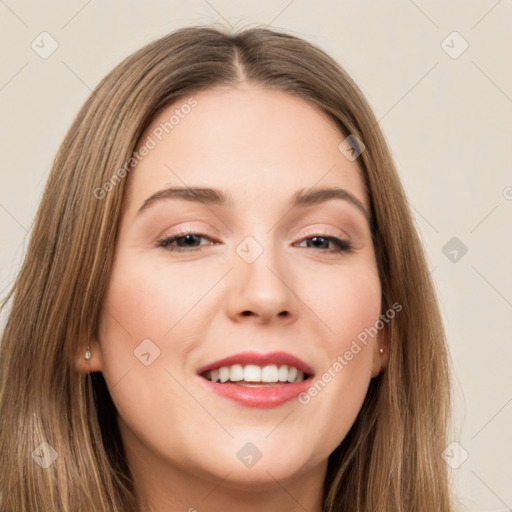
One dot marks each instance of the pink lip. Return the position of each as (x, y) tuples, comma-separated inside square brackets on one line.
[(263, 397), (259, 359)]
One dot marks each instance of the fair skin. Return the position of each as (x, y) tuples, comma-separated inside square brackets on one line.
[(300, 296)]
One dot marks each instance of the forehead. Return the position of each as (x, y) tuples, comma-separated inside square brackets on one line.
[(249, 141)]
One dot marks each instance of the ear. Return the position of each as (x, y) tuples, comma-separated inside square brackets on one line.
[(95, 362), (380, 359)]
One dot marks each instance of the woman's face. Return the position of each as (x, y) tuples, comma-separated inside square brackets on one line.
[(259, 282)]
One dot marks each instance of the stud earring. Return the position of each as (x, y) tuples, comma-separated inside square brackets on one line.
[(381, 351), (87, 354)]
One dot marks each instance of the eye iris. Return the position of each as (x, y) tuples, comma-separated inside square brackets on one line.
[(189, 238), (322, 239)]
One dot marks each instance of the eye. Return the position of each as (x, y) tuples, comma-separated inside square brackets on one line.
[(320, 241), (183, 242), (190, 242)]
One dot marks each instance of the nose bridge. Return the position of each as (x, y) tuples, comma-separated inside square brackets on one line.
[(262, 278)]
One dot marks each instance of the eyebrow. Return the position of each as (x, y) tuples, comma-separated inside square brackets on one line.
[(211, 196)]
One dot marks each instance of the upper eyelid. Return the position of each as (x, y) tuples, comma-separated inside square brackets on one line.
[(326, 232), (312, 226)]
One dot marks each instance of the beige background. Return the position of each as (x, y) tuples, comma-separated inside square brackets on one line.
[(448, 121)]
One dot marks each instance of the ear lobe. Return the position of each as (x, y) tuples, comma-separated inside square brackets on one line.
[(380, 352), (92, 364)]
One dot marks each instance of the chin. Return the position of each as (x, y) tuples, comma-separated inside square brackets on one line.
[(251, 466), (262, 476)]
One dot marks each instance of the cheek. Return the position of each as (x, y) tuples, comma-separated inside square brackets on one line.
[(150, 308), (147, 300), (356, 309), (358, 304), (350, 305), (144, 324), (347, 301)]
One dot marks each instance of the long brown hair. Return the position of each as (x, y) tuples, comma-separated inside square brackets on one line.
[(390, 461)]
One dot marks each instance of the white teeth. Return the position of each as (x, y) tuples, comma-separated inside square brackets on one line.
[(282, 374), (253, 373), (292, 373), (236, 373), (224, 373), (269, 374)]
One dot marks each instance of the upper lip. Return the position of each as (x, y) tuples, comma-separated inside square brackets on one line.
[(243, 358)]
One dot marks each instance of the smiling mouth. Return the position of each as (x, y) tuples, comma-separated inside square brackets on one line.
[(251, 375)]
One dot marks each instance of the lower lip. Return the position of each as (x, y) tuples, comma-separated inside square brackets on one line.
[(263, 397)]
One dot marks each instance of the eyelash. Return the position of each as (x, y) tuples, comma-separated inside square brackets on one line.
[(342, 245)]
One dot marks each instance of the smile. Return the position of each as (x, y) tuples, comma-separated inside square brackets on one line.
[(252, 374), (257, 380)]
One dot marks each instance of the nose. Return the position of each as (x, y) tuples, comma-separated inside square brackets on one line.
[(262, 289)]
